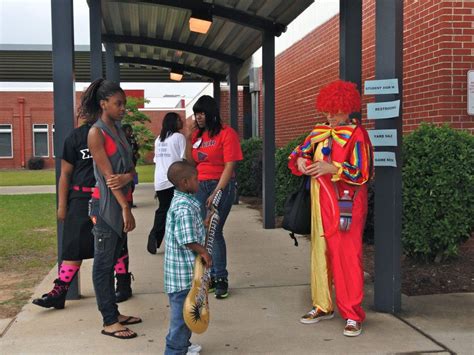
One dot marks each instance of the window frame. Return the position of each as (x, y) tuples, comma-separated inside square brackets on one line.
[(40, 130), (53, 153), (8, 130)]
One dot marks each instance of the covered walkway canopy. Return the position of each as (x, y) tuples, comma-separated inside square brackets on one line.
[(156, 34)]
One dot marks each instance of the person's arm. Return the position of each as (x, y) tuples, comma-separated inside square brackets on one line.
[(95, 141), (188, 134), (301, 156), (118, 181), (357, 169), (199, 249), (182, 142), (223, 181), (63, 189)]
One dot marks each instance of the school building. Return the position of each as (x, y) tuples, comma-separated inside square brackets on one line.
[(27, 125), (438, 53)]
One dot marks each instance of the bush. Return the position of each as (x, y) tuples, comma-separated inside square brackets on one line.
[(438, 193), (35, 163), (249, 170), (286, 182)]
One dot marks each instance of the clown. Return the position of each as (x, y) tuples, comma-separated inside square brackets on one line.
[(338, 156)]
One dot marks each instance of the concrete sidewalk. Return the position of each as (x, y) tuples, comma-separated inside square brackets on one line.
[(269, 292), (27, 190)]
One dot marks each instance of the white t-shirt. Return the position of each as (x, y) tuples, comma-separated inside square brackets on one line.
[(166, 153)]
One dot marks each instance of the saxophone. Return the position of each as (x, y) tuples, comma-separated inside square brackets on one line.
[(196, 305)]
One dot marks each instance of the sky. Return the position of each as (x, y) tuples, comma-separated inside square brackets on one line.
[(29, 22)]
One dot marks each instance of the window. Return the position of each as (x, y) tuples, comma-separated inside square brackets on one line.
[(6, 141), (40, 140)]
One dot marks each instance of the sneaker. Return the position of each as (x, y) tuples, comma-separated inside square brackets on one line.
[(316, 315), (352, 328), (194, 349), (212, 285), (222, 287)]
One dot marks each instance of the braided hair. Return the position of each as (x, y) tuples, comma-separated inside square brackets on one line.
[(99, 89)]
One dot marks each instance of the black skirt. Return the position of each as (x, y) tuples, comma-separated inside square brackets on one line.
[(78, 241)]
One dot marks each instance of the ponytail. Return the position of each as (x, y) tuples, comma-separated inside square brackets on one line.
[(99, 89)]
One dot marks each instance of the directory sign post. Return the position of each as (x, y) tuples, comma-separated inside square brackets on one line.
[(381, 87), (383, 137)]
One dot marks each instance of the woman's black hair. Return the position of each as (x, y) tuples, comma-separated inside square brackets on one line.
[(99, 89), (169, 126), (208, 105)]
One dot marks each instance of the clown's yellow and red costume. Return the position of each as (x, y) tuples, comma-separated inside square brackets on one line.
[(335, 254)]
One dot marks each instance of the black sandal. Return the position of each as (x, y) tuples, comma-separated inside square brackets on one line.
[(115, 334), (130, 321)]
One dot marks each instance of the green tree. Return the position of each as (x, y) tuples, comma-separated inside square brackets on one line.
[(137, 119)]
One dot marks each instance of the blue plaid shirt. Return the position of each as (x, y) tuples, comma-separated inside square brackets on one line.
[(184, 225)]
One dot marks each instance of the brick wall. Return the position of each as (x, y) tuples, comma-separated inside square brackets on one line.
[(438, 52), (225, 108)]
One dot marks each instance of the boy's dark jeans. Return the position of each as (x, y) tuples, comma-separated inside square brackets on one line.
[(219, 251), (177, 340), (107, 248)]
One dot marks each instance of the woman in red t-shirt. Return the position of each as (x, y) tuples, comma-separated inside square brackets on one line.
[(215, 149)]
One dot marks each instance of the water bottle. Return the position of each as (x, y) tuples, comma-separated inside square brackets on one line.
[(345, 211)]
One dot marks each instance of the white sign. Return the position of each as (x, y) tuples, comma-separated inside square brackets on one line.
[(381, 87), (383, 137), (382, 110), (470, 92), (385, 159)]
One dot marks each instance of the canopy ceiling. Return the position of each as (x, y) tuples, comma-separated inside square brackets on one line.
[(152, 36)]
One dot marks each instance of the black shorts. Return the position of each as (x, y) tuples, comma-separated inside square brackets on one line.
[(78, 241)]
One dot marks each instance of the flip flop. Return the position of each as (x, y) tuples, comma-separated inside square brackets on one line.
[(130, 321), (114, 334)]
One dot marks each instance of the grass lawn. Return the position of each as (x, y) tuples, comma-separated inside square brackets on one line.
[(146, 173), (27, 247), (19, 177), (47, 177)]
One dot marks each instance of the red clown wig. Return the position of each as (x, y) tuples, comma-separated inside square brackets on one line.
[(338, 97)]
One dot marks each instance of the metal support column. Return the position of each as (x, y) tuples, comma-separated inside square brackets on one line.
[(62, 21), (95, 25), (247, 112), (350, 43), (216, 86), (388, 181), (234, 96), (112, 68), (268, 87)]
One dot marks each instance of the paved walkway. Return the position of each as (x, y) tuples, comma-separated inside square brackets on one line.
[(269, 292), (26, 190)]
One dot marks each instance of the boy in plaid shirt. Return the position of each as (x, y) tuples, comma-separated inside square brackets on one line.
[(184, 237)]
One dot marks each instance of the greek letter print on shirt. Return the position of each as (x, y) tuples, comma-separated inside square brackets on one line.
[(76, 153), (86, 154)]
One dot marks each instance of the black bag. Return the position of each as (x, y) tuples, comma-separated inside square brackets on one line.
[(297, 211)]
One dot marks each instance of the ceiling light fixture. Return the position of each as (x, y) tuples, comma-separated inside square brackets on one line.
[(176, 75), (200, 20)]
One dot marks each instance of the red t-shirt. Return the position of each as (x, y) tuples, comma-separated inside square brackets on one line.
[(110, 149), (211, 154)]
